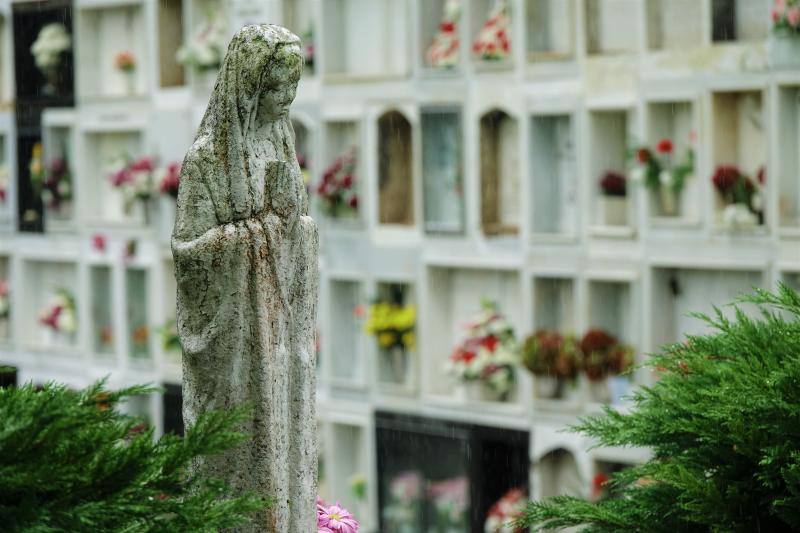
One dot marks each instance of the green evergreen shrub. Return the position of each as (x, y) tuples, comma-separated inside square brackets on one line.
[(71, 461), (723, 423)]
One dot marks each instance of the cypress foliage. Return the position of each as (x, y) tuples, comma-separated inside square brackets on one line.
[(723, 423), (70, 461)]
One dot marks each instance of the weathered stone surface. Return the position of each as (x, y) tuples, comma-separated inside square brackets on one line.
[(246, 265)]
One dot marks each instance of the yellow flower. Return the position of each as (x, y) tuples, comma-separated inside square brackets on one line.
[(409, 339), (386, 339)]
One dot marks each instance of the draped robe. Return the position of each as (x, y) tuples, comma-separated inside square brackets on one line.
[(245, 257)]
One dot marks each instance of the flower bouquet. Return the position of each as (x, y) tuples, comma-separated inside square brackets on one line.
[(484, 362), (604, 360), (613, 199), (784, 43), (450, 500), (443, 51), (740, 199), (206, 46), (337, 189), (403, 512), (492, 43), (134, 179), (658, 171), (47, 50), (5, 307), (553, 359), (125, 62), (393, 326), (60, 318), (505, 511)]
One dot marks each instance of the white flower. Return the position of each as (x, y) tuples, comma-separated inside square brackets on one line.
[(52, 40), (206, 47), (66, 321), (757, 201), (738, 216), (665, 177), (637, 174)]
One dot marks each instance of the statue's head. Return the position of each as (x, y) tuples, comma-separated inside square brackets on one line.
[(269, 62)]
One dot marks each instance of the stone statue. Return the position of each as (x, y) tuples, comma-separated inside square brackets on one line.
[(245, 256)]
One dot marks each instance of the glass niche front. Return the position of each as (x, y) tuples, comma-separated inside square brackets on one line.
[(435, 475)]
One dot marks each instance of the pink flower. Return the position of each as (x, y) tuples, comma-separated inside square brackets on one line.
[(3, 287), (143, 164), (171, 180), (793, 16), (335, 519), (121, 177), (99, 242)]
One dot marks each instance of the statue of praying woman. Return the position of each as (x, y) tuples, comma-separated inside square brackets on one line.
[(245, 255)]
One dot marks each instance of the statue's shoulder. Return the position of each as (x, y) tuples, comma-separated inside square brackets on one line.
[(199, 159)]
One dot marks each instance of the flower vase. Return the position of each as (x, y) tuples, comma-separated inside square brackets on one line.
[(784, 50), (130, 83), (614, 210), (54, 338), (395, 360), (599, 391), (618, 386), (548, 387), (50, 80), (147, 210), (668, 201)]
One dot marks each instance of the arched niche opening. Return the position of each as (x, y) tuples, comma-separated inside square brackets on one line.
[(395, 168), (559, 475), (499, 153)]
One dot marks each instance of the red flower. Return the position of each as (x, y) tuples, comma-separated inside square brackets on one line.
[(490, 342), (462, 355), (613, 184), (664, 146), (447, 27), (598, 482), (99, 242), (643, 155), (353, 202), (762, 175), (726, 177), (347, 181), (597, 340)]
